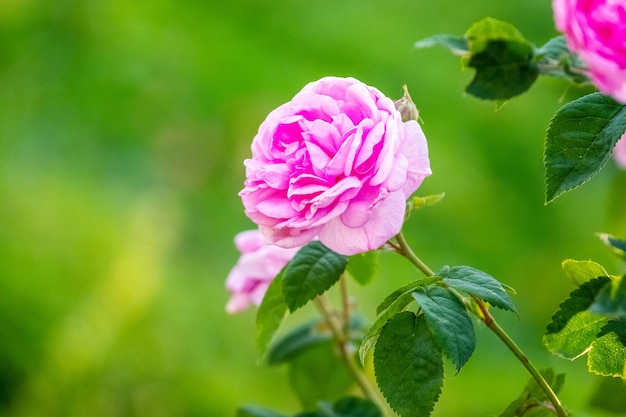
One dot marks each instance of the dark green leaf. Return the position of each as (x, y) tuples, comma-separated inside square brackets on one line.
[(449, 323), (363, 267), (503, 59), (557, 60), (313, 270), (393, 304), (580, 140), (319, 375), (618, 246), (296, 341), (578, 301), (611, 300), (479, 284), (253, 411), (270, 314), (407, 288), (408, 365), (533, 402), (456, 44), (582, 271), (355, 407)]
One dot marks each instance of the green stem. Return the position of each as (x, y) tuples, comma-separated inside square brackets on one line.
[(348, 358), (491, 323), (404, 249)]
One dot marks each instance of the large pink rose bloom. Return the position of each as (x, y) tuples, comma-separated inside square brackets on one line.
[(258, 265), (337, 163), (596, 31), (619, 152)]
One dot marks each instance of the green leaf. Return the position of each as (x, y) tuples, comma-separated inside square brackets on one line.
[(319, 375), (607, 356), (427, 201), (449, 323), (354, 407), (363, 267), (533, 402), (393, 304), (313, 270), (582, 271), (576, 338), (611, 300), (253, 411), (580, 140), (503, 59), (270, 314), (479, 284), (297, 340), (407, 288), (457, 45), (618, 246), (556, 60), (578, 301), (408, 365)]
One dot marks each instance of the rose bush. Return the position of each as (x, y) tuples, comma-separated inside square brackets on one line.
[(335, 163), (620, 152), (596, 31), (258, 265)]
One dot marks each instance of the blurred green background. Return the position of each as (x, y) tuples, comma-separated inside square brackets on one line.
[(123, 127)]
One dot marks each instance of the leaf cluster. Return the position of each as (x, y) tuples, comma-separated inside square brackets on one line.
[(409, 346), (592, 320)]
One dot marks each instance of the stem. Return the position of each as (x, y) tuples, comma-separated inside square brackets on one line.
[(342, 342), (491, 323), (404, 249)]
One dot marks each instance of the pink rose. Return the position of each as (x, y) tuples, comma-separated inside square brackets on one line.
[(619, 152), (596, 31), (258, 265), (336, 163)]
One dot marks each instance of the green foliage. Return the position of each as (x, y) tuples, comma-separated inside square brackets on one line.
[(427, 201), (582, 271), (503, 59), (317, 374), (363, 267), (618, 246), (313, 270), (354, 407), (408, 365), (592, 321), (478, 284), (270, 314), (556, 60), (533, 401), (295, 341), (449, 322), (457, 45), (393, 304), (580, 140)]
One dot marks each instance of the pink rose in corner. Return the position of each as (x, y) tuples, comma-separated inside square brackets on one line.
[(596, 31), (336, 163), (258, 265), (619, 152)]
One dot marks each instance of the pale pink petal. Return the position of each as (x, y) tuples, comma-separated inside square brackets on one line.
[(385, 222)]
